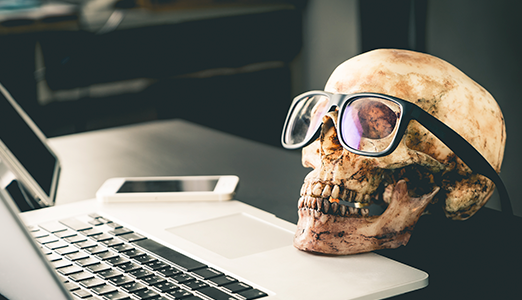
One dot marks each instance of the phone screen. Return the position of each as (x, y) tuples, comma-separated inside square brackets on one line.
[(165, 186)]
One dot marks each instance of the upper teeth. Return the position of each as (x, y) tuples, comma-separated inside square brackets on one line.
[(320, 197), (321, 190), (325, 206)]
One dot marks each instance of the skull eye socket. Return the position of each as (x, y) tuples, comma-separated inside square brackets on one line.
[(369, 124)]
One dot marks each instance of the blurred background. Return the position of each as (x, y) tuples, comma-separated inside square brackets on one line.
[(235, 65)]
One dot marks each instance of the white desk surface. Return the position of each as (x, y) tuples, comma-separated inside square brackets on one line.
[(270, 178)]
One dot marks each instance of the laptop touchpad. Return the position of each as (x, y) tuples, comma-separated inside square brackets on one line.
[(235, 235)]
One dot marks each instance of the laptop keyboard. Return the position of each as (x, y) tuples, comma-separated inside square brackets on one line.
[(100, 259)]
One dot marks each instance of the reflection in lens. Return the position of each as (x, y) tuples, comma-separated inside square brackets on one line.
[(377, 119), (367, 122), (351, 128), (305, 119)]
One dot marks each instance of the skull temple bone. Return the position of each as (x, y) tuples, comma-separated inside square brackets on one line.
[(340, 195)]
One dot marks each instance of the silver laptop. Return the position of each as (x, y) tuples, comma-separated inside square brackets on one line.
[(184, 250)]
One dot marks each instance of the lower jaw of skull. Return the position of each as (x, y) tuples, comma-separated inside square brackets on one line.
[(341, 230)]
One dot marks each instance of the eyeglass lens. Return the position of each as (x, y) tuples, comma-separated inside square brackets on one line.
[(369, 124), (306, 118)]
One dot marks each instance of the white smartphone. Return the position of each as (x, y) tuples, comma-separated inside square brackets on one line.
[(178, 188)]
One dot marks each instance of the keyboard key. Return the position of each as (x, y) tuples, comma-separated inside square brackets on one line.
[(96, 249), (122, 247), (95, 222), (133, 253), (169, 271), (155, 265), (195, 284), (106, 255), (37, 233), (166, 286), (102, 237), (194, 297), (222, 280), (69, 270), (66, 233), (236, 287), (75, 224), (45, 251), (81, 276), (140, 273), (145, 259), (129, 266), (153, 280), (165, 298), (85, 245), (120, 231), (82, 294), (109, 274), (104, 220), (112, 242), (121, 280), (71, 286), (75, 239), (32, 228), (182, 278), (94, 215), (216, 294), (116, 261), (67, 250), (171, 255), (103, 289), (56, 244), (87, 261), (98, 267), (117, 295), (132, 287), (77, 255), (53, 226), (53, 256), (132, 237), (207, 273), (91, 232), (47, 239), (92, 282), (61, 263), (146, 294), (179, 293), (252, 294), (114, 225)]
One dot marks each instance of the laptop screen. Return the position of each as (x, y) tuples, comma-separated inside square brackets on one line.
[(33, 164), (24, 271)]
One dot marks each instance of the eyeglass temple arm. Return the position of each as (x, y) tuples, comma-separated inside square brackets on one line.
[(465, 151)]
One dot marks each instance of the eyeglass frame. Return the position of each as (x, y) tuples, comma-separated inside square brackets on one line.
[(409, 111)]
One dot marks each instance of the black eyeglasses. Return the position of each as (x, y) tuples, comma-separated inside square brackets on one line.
[(372, 124)]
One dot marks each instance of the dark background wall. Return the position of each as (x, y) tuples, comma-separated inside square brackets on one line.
[(484, 39)]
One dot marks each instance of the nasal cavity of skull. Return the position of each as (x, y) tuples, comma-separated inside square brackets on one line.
[(329, 140)]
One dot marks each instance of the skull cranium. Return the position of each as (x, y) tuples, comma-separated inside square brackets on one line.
[(339, 196)]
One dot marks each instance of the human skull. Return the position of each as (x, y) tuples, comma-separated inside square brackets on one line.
[(339, 196)]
